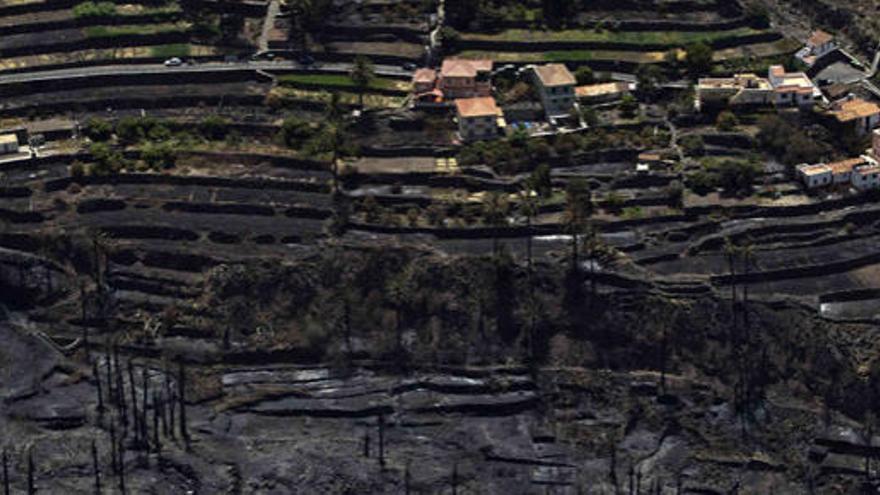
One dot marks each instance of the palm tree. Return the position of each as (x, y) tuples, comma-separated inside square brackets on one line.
[(361, 75), (400, 290), (578, 208), (529, 204), (495, 210)]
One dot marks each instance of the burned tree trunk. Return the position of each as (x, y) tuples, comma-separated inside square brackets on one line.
[(181, 392), (5, 473), (96, 469), (135, 418), (382, 440), (31, 486)]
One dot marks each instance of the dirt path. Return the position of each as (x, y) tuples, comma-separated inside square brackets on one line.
[(271, 13)]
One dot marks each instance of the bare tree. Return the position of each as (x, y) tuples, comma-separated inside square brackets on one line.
[(382, 441), (181, 392), (96, 469), (5, 473), (31, 485)]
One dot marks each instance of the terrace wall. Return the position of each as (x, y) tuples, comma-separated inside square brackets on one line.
[(546, 46)]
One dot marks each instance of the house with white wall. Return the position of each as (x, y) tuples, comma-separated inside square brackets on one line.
[(478, 118), (555, 84), (792, 88)]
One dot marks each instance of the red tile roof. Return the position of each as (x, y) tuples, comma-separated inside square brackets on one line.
[(819, 38), (555, 75), (477, 107), (459, 67)]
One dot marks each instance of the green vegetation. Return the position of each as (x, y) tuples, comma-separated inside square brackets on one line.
[(698, 58), (726, 121), (134, 30), (173, 50), (110, 9), (584, 75), (362, 74), (98, 129), (513, 156), (94, 9), (793, 144), (734, 177)]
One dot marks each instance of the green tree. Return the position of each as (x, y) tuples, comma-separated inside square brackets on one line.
[(129, 130), (698, 58), (629, 106), (361, 75), (98, 129), (159, 155), (726, 121), (584, 75), (529, 205), (540, 181), (495, 211), (214, 127)]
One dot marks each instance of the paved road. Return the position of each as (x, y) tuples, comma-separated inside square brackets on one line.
[(109, 70)]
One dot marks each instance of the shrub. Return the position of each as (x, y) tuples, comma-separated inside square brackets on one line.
[(77, 170), (412, 216), (158, 156), (698, 58), (107, 161), (94, 9), (129, 130), (614, 202), (693, 145), (213, 127), (675, 194), (726, 121), (98, 129), (584, 75), (629, 106)]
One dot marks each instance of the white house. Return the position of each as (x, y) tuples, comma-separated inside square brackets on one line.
[(478, 118), (555, 85), (8, 144), (866, 177), (792, 88), (815, 176), (863, 173)]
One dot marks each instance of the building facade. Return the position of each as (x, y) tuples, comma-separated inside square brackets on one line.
[(555, 84), (461, 78), (478, 118)]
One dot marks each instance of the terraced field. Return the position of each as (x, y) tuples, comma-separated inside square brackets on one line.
[(223, 279)]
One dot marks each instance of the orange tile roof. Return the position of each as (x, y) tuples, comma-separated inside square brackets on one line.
[(425, 76), (850, 110), (477, 107), (460, 67), (777, 70), (794, 89), (868, 170), (819, 168), (555, 75), (845, 166), (819, 38), (604, 89)]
